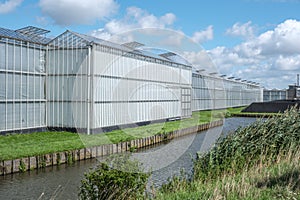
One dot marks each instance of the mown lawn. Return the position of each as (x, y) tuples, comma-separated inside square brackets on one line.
[(23, 145)]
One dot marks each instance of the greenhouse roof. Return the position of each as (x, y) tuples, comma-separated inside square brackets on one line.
[(133, 44), (70, 39), (28, 34)]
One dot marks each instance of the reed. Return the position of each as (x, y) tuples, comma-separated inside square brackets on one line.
[(260, 161)]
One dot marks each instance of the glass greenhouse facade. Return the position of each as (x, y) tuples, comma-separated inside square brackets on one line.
[(83, 84), (274, 94), (22, 77), (212, 92), (92, 83)]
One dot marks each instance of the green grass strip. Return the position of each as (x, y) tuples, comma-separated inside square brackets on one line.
[(22, 145)]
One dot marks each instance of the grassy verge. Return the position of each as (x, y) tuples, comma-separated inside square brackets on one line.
[(248, 114), (279, 180), (23, 145), (236, 112), (260, 161)]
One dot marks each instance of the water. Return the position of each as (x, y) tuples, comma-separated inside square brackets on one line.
[(165, 160)]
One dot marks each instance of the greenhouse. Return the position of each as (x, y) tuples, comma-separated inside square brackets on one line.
[(214, 92), (22, 77), (92, 83), (80, 83), (274, 94)]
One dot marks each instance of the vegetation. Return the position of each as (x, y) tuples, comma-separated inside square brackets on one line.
[(263, 181), (23, 145), (245, 147), (252, 114), (117, 178), (261, 161), (237, 112)]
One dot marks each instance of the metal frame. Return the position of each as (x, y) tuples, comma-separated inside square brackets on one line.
[(23, 98), (70, 71)]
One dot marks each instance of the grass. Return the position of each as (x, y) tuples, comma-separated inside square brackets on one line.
[(261, 161), (238, 112), (250, 114), (277, 180), (22, 145)]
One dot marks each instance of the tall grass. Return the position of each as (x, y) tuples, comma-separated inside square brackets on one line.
[(263, 181), (245, 147), (261, 161)]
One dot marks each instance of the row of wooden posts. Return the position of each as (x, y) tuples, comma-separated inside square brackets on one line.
[(52, 159)]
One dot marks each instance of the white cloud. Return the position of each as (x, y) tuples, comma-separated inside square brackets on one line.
[(201, 60), (174, 40), (43, 21), (241, 30), (271, 58), (68, 12), (289, 63), (134, 18), (203, 36), (9, 6), (282, 40), (137, 18)]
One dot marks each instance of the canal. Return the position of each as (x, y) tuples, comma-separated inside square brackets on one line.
[(165, 160)]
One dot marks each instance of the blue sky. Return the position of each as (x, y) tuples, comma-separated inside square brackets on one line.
[(258, 40)]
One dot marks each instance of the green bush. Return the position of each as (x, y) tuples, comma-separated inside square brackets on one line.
[(117, 178)]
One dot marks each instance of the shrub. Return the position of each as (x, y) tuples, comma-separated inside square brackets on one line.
[(117, 178)]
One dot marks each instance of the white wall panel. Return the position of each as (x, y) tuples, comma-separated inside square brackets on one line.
[(67, 115), (22, 95), (73, 61), (111, 114), (3, 55), (222, 93), (139, 88)]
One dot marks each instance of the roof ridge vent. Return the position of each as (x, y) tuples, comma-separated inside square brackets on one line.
[(168, 54), (133, 44), (32, 31)]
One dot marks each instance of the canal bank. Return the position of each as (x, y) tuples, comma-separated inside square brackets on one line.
[(57, 158), (63, 181)]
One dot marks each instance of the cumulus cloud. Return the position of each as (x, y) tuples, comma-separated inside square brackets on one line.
[(9, 6), (288, 63), (67, 12), (203, 36), (282, 40), (134, 18), (265, 58), (241, 30), (200, 60), (137, 18)]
